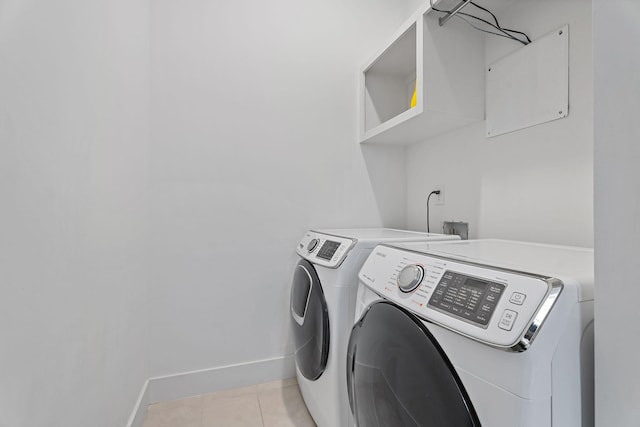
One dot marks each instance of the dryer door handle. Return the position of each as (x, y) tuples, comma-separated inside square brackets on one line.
[(299, 319)]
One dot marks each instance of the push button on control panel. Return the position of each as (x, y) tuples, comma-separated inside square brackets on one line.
[(517, 298), (507, 320)]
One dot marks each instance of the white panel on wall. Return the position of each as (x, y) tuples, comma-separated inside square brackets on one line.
[(529, 86)]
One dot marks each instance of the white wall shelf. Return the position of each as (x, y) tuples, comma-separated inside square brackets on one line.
[(444, 64)]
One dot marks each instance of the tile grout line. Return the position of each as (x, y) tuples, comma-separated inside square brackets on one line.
[(201, 410), (260, 407)]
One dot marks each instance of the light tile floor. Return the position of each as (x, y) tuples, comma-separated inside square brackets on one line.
[(274, 404)]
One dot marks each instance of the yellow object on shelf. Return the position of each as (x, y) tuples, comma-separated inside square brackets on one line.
[(414, 97)]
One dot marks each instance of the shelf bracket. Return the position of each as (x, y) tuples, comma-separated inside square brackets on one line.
[(451, 13)]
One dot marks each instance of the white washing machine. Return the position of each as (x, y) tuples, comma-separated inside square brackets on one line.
[(323, 295), (487, 332)]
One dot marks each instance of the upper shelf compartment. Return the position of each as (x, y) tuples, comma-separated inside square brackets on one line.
[(445, 66)]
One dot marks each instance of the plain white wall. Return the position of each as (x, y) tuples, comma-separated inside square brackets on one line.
[(73, 197), (534, 184), (253, 118), (617, 209)]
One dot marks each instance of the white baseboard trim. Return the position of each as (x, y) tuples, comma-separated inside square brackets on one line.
[(139, 412), (179, 386)]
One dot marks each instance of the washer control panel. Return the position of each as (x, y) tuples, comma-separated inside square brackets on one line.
[(323, 249), (470, 298), (489, 304)]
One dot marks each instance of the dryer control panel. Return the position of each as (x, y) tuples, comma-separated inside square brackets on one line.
[(499, 307), (324, 249)]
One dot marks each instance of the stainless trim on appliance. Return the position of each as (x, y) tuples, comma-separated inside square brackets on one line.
[(555, 286), (300, 319)]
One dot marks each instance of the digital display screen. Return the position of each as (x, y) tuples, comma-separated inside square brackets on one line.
[(328, 249), (477, 284), (468, 297), (470, 293)]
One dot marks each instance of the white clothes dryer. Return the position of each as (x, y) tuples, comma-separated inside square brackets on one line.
[(488, 332), (323, 296)]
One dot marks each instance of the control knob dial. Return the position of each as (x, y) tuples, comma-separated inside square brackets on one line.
[(410, 277), (312, 244)]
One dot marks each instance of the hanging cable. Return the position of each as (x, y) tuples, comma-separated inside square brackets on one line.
[(498, 24), (488, 11), (503, 31), (506, 32), (429, 197), (507, 36)]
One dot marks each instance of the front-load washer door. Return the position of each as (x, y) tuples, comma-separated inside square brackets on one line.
[(309, 321), (398, 375)]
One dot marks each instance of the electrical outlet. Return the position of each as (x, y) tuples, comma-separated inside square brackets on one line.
[(438, 199)]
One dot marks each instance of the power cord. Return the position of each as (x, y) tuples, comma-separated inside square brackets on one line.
[(504, 32), (498, 24), (436, 192)]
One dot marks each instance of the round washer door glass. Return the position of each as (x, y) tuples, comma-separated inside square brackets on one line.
[(398, 375), (309, 321)]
